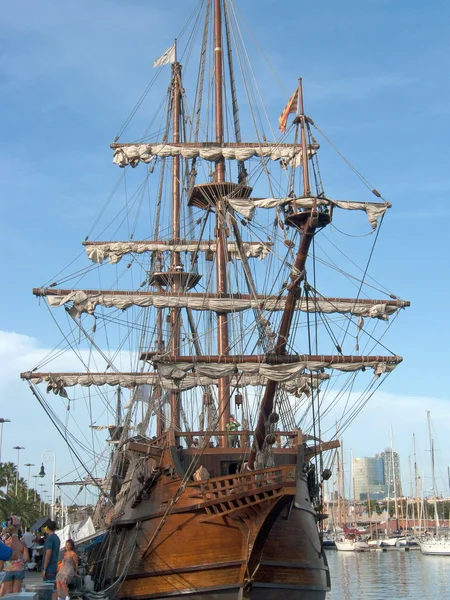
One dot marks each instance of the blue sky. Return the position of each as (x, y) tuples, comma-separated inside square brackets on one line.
[(376, 81)]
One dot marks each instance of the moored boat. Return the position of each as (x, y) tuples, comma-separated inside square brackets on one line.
[(351, 543), (197, 502), (435, 545)]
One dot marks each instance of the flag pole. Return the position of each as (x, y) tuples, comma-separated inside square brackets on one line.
[(306, 187)]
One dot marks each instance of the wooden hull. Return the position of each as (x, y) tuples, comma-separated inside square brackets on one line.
[(197, 560), (250, 536)]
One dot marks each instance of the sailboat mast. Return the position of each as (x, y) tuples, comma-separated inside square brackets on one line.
[(416, 479), (344, 516), (175, 259), (339, 489), (433, 475), (353, 487), (223, 387), (394, 480)]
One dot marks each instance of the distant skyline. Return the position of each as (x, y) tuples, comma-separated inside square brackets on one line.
[(375, 81)]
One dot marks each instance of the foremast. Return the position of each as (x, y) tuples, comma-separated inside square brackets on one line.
[(307, 223)]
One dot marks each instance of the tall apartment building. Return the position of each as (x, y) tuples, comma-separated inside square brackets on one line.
[(368, 478), (391, 461)]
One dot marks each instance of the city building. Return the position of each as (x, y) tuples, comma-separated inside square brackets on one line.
[(392, 475), (368, 478)]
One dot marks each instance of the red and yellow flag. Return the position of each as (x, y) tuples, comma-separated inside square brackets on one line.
[(291, 107)]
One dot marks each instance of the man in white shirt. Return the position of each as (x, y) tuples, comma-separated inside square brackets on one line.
[(28, 539)]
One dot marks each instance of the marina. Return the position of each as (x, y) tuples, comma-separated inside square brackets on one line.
[(388, 574)]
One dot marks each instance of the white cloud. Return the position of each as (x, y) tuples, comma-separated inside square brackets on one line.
[(368, 435), (30, 426)]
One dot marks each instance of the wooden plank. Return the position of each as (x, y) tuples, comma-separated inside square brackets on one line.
[(147, 449), (313, 450)]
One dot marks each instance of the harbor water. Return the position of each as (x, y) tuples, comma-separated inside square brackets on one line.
[(395, 575)]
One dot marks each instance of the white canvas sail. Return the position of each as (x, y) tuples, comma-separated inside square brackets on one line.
[(86, 302), (114, 251), (134, 154)]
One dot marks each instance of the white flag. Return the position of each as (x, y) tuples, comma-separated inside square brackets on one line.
[(166, 58)]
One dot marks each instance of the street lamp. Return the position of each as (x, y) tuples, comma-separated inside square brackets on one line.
[(29, 465), (2, 420), (18, 448), (35, 485), (42, 474), (44, 501), (41, 495)]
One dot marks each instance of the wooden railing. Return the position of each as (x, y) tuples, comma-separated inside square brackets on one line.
[(211, 439), (226, 485), (237, 494)]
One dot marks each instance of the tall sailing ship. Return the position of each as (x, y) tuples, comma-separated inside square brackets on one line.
[(220, 307)]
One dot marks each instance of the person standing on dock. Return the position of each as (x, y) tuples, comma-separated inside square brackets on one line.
[(28, 540), (50, 556), (67, 571), (14, 567)]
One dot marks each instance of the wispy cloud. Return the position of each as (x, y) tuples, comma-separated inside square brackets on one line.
[(405, 414), (30, 426)]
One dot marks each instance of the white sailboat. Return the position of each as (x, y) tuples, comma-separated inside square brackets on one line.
[(351, 540), (437, 543), (350, 543), (393, 540)]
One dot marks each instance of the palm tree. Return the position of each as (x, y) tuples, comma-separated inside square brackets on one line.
[(22, 487), (18, 505), (8, 473)]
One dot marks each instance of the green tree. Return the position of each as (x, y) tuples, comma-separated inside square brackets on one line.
[(27, 510), (8, 473)]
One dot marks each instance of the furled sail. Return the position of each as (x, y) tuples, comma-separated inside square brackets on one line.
[(177, 371), (86, 301), (113, 251), (133, 154), (57, 382), (246, 206)]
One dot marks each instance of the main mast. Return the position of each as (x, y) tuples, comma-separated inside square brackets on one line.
[(175, 266), (223, 390)]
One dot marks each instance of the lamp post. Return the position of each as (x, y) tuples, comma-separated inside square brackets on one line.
[(44, 501), (18, 448), (35, 485), (42, 474), (41, 496), (29, 465), (2, 420)]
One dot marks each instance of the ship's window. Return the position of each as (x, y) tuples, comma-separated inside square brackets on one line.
[(228, 467), (232, 468)]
